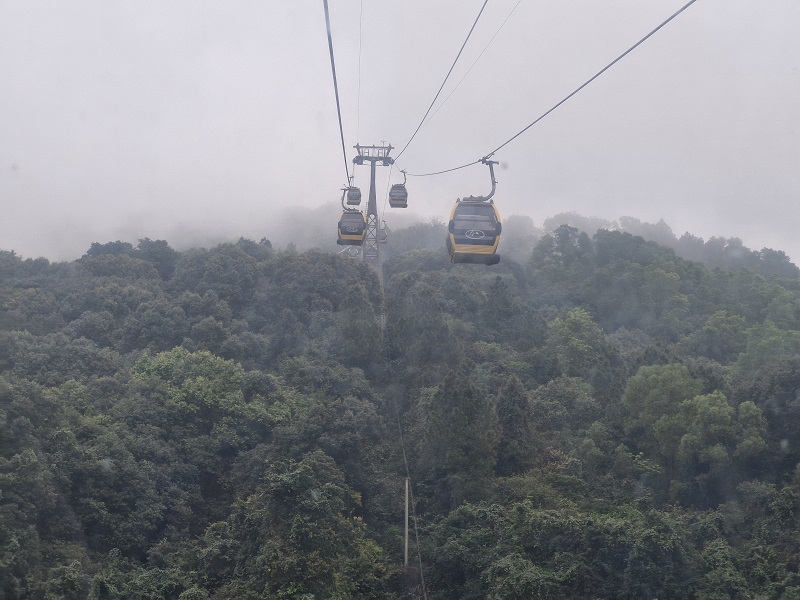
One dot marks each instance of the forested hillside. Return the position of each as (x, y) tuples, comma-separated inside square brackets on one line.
[(594, 417)]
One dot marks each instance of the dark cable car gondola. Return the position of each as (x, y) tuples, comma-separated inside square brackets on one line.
[(352, 226), (353, 196), (398, 195), (474, 228)]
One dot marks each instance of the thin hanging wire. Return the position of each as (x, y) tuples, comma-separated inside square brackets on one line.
[(438, 108), (595, 76), (443, 82), (403, 448), (411, 493), (336, 90), (416, 539), (358, 111), (386, 199)]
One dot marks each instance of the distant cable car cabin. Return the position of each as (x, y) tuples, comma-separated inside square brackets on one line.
[(353, 196), (398, 195), (383, 233), (352, 228), (474, 228)]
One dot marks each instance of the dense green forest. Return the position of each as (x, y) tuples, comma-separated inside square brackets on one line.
[(598, 416)]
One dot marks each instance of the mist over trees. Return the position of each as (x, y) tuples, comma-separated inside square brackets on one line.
[(610, 412), (725, 253)]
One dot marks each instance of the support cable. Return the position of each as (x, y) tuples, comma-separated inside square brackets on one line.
[(336, 90), (386, 198), (475, 62), (443, 82), (595, 76), (358, 109), (474, 162), (603, 70)]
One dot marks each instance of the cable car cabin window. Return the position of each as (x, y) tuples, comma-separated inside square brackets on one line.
[(352, 223), (352, 228), (475, 224)]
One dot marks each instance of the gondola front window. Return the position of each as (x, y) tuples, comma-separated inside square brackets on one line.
[(352, 223), (475, 224)]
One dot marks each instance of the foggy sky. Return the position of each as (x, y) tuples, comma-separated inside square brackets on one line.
[(196, 119)]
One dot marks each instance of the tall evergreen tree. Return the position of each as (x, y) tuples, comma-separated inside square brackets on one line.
[(459, 437), (516, 446)]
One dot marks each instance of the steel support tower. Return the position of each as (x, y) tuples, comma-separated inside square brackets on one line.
[(373, 155)]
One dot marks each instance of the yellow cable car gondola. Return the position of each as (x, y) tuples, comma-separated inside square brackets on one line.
[(474, 228), (352, 228), (474, 232)]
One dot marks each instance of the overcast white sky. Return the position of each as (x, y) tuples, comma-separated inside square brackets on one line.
[(120, 120)]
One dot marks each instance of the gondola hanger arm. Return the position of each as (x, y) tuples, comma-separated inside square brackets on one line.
[(485, 160)]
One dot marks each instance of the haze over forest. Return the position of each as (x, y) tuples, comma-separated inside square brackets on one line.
[(187, 121), (306, 229)]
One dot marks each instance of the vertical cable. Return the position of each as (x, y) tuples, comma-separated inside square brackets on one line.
[(336, 90), (358, 110)]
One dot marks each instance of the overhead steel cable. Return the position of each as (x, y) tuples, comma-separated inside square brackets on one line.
[(358, 111), (590, 80), (336, 90), (474, 162), (475, 62), (596, 75), (384, 335), (386, 198), (443, 82)]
